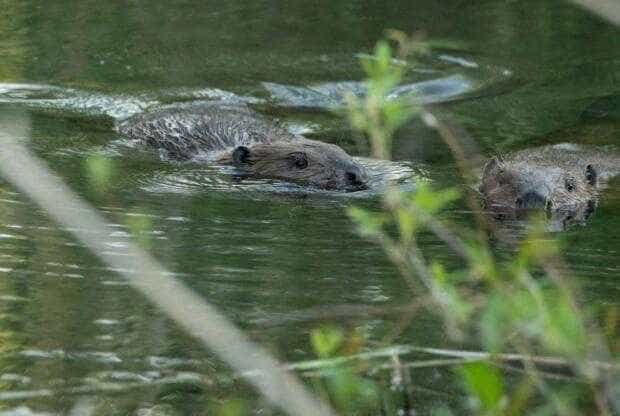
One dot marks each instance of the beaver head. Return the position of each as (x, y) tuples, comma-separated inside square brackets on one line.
[(566, 192), (302, 161)]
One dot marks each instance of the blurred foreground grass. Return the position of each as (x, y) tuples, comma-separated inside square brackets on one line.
[(525, 305)]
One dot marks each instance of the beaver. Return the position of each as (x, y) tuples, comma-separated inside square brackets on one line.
[(240, 137), (565, 180)]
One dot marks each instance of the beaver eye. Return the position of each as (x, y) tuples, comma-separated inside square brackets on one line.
[(569, 184), (591, 175), (549, 209), (299, 160)]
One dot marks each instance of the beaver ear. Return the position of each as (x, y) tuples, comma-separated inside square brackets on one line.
[(489, 166), (591, 175), (240, 155)]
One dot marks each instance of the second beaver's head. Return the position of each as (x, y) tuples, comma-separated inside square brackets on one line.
[(512, 189), (302, 161)]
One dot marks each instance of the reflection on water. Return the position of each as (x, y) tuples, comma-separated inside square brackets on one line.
[(331, 96), (514, 74)]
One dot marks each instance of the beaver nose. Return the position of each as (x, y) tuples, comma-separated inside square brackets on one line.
[(531, 200), (355, 177)]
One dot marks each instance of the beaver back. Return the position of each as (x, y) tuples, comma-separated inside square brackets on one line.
[(201, 129)]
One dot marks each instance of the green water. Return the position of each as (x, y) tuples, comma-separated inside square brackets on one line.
[(540, 72)]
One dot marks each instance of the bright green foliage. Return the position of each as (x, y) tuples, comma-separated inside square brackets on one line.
[(523, 305), (404, 210), (383, 75), (484, 383), (326, 341), (369, 223), (482, 265), (457, 309), (99, 170), (564, 331), (378, 115), (140, 227), (351, 392), (537, 247), (233, 408), (432, 201), (348, 390), (498, 319)]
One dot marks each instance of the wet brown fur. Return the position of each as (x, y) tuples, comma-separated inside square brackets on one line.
[(564, 180), (242, 138)]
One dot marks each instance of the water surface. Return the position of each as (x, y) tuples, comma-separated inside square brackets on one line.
[(513, 74)]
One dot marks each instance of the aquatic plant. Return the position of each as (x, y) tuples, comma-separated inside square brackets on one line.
[(542, 352)]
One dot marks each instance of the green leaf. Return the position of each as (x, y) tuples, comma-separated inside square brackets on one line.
[(495, 322), (396, 113), (326, 341), (353, 393), (482, 263), (485, 383), (368, 222), (140, 227), (406, 225), (537, 247), (383, 54), (564, 331), (99, 170), (508, 314), (458, 310), (434, 200)]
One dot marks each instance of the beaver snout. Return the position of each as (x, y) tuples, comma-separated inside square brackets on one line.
[(531, 200), (356, 178)]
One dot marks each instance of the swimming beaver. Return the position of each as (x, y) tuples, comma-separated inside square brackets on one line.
[(242, 138), (564, 179)]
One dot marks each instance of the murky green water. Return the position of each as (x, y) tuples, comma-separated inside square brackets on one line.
[(519, 74)]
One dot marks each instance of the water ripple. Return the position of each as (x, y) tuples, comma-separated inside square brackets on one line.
[(331, 95), (116, 106), (191, 179)]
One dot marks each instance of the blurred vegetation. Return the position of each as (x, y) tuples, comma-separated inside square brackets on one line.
[(100, 172), (525, 304), (126, 46), (563, 355)]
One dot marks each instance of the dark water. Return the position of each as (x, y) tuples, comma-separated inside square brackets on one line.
[(514, 74)]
